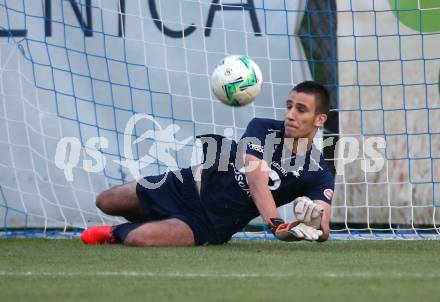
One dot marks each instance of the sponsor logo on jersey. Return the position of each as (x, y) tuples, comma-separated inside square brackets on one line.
[(328, 193), (255, 147), (241, 180), (279, 168), (283, 171), (273, 130)]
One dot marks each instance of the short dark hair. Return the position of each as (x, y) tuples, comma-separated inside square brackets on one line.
[(321, 94)]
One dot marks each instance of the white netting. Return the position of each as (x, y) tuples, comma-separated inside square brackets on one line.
[(82, 69)]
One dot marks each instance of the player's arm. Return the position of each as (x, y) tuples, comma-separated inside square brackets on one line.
[(258, 179), (313, 209)]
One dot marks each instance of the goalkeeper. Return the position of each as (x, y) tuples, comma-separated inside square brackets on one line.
[(217, 199)]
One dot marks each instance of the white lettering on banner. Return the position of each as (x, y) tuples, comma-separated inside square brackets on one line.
[(92, 149), (164, 145), (65, 161)]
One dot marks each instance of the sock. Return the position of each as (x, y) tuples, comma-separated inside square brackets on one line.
[(121, 231), (136, 219)]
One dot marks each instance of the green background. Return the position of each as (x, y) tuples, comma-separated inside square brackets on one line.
[(425, 20)]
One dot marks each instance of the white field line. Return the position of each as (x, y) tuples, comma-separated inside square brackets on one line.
[(392, 275)]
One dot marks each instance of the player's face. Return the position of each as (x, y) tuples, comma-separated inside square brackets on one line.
[(301, 118)]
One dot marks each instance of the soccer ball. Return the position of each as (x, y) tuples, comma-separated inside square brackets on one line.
[(236, 80)]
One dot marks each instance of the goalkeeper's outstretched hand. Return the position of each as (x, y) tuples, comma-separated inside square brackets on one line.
[(308, 212), (293, 231)]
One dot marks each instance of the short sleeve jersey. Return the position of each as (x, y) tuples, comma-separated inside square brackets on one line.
[(226, 197)]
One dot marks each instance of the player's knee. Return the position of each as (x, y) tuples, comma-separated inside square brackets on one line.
[(161, 233), (140, 238), (100, 202), (103, 200), (119, 200)]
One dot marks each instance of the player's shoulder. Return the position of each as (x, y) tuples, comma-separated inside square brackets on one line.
[(266, 123)]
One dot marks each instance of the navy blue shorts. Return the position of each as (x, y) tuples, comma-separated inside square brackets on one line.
[(174, 199)]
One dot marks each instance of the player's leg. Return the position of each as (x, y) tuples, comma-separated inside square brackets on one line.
[(121, 201), (118, 201), (168, 224), (168, 232)]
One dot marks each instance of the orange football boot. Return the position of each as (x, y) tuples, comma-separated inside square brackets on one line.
[(98, 235)]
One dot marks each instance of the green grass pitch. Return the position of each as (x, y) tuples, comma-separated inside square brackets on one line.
[(66, 270)]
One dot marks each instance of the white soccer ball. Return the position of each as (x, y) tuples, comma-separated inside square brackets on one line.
[(236, 80)]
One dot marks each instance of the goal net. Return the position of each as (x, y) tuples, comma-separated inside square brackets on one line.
[(94, 93)]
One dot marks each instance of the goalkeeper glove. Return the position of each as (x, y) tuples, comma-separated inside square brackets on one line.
[(308, 212), (293, 231)]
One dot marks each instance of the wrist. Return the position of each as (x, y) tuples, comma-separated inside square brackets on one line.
[(273, 223), (325, 233)]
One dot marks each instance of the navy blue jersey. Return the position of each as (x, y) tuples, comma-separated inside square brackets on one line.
[(225, 193)]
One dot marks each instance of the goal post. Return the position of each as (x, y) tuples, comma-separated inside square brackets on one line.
[(94, 93)]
